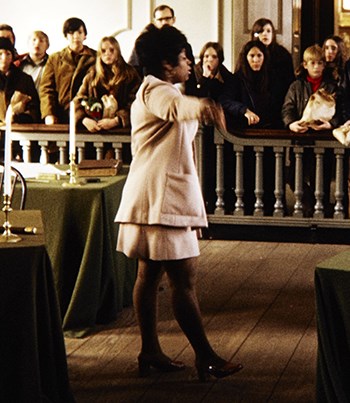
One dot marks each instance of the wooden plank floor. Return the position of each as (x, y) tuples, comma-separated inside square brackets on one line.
[(258, 306)]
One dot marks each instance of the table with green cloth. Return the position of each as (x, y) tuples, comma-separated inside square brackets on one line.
[(332, 287), (94, 281), (32, 351)]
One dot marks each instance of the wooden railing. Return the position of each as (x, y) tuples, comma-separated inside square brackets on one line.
[(288, 207), (57, 135)]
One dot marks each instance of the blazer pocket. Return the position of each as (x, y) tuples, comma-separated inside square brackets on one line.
[(182, 195)]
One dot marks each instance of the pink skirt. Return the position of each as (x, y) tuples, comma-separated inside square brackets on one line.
[(157, 242)]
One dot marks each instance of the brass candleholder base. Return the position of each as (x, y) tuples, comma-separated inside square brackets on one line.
[(73, 180), (7, 236)]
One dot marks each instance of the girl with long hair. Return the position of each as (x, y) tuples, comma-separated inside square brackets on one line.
[(280, 63), (246, 98), (335, 55), (105, 96)]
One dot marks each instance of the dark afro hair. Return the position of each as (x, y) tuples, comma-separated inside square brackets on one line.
[(154, 46)]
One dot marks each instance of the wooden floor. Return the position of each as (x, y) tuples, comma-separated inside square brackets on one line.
[(257, 301)]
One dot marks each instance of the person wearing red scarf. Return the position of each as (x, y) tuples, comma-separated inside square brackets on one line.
[(311, 76), (314, 82)]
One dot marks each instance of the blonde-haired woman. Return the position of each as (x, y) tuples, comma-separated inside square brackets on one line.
[(109, 86)]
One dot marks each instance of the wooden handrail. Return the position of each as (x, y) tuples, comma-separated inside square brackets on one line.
[(241, 133), (46, 135), (59, 128), (282, 134)]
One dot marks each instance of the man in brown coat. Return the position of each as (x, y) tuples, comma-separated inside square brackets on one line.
[(64, 73)]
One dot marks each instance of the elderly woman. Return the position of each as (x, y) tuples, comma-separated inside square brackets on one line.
[(162, 204)]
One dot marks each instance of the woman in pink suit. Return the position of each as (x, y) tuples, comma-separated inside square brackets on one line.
[(162, 203)]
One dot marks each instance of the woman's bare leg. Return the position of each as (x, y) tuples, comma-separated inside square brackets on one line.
[(182, 276), (146, 309), (145, 297)]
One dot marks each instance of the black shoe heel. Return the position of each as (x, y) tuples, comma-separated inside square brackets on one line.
[(218, 371), (160, 362)]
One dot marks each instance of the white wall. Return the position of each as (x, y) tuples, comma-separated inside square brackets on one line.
[(201, 21), (24, 18), (198, 20)]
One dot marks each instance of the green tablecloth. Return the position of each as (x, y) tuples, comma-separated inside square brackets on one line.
[(93, 281), (33, 365), (332, 286)]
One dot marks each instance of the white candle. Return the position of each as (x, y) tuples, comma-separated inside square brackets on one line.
[(71, 128), (8, 152)]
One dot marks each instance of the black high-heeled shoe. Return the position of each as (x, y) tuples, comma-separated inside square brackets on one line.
[(160, 362), (218, 371)]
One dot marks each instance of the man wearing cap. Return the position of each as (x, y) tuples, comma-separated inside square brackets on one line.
[(17, 88)]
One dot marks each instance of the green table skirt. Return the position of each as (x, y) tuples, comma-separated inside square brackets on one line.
[(94, 281), (332, 287)]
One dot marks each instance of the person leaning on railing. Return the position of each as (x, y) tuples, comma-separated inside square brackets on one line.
[(64, 72), (247, 100), (311, 76), (279, 60), (105, 96), (17, 88), (211, 76), (112, 83)]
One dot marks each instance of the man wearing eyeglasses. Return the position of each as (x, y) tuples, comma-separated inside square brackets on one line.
[(165, 15)]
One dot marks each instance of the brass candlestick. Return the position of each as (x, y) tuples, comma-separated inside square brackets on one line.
[(7, 236), (73, 168)]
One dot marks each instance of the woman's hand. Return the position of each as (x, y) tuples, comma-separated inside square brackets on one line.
[(207, 71), (212, 114), (324, 125), (297, 127), (252, 118), (91, 125), (108, 123)]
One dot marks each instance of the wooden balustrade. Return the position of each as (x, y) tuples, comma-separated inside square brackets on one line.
[(330, 167), (330, 209), (57, 135)]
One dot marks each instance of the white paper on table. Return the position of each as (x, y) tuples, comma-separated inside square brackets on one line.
[(35, 169)]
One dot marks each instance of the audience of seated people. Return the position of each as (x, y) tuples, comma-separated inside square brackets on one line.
[(252, 97)]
